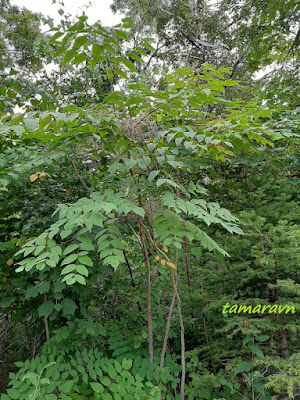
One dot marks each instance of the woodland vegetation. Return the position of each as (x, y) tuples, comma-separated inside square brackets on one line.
[(148, 177)]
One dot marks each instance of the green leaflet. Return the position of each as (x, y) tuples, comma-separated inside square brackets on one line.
[(46, 309), (68, 306)]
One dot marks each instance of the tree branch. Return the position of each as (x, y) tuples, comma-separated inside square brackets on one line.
[(79, 177)]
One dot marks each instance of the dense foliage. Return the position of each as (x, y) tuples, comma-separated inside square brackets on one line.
[(142, 191)]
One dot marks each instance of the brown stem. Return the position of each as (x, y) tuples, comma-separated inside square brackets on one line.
[(153, 55), (79, 177), (135, 234), (153, 244), (182, 340), (131, 277), (284, 344), (173, 298), (148, 268), (187, 271), (167, 330), (46, 323), (149, 311), (168, 323), (129, 268)]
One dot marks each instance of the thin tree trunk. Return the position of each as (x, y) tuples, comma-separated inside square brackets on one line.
[(79, 177), (129, 269), (187, 271), (168, 323), (46, 323), (149, 311), (174, 281), (182, 340), (46, 329), (182, 351), (148, 268), (284, 344), (167, 330), (131, 277)]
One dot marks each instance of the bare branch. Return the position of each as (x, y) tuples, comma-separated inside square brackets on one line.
[(79, 177)]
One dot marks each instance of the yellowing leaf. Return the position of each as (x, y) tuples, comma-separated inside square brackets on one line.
[(34, 177), (10, 262), (44, 175), (165, 249), (38, 175), (156, 258), (68, 191), (163, 262), (91, 306), (171, 265)]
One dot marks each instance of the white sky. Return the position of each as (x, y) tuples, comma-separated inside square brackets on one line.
[(99, 10)]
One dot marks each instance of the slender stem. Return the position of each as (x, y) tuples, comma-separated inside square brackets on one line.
[(187, 271), (129, 268), (153, 55), (36, 389), (148, 268), (168, 323), (284, 344), (79, 177), (131, 277), (167, 330), (149, 311), (175, 283), (158, 107), (183, 371), (46, 323), (153, 244), (135, 234)]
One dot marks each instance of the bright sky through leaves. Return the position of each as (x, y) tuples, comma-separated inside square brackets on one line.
[(99, 10)]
